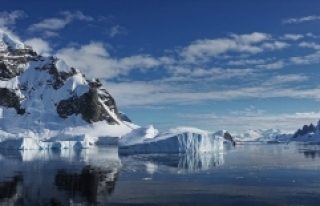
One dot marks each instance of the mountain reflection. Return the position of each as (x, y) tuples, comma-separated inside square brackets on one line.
[(8, 188), (190, 162), (92, 183), (309, 150), (64, 177)]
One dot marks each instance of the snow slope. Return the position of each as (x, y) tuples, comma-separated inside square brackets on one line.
[(176, 140)]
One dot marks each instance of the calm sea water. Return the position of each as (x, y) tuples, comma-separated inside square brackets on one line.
[(257, 174)]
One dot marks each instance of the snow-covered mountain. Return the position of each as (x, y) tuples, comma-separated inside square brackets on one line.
[(261, 135), (43, 97)]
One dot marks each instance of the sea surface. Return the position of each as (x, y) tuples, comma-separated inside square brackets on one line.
[(247, 174)]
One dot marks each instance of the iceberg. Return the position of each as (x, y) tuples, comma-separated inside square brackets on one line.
[(147, 140), (34, 144)]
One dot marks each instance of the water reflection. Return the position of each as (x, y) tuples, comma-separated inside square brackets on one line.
[(309, 150), (191, 162), (9, 187), (93, 183), (62, 177)]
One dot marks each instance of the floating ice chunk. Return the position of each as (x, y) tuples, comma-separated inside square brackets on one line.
[(178, 140), (34, 144)]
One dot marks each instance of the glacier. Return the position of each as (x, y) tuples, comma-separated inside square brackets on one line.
[(176, 140)]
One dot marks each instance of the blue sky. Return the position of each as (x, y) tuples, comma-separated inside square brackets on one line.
[(231, 65)]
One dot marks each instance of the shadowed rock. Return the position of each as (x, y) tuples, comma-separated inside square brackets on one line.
[(305, 130), (10, 99), (228, 136)]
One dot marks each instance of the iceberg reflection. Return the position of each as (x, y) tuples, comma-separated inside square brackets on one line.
[(189, 162)]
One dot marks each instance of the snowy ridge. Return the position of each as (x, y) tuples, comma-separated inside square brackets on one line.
[(261, 135)]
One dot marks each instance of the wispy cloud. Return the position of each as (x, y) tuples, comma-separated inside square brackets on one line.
[(300, 20), (99, 63), (293, 37), (245, 44), (57, 23), (41, 46), (246, 62), (312, 45), (203, 49), (165, 93), (10, 18), (307, 59), (116, 30), (283, 79), (275, 65), (275, 45)]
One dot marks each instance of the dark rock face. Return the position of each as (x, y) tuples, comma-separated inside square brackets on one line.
[(11, 100), (88, 106), (7, 72), (228, 136), (10, 65), (305, 130), (123, 117)]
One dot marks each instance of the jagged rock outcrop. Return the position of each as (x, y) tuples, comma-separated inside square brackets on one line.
[(305, 130), (89, 106), (11, 100), (227, 136)]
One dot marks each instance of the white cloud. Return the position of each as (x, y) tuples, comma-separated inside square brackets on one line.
[(162, 92), (202, 49), (10, 18), (59, 23), (307, 59), (293, 37), (39, 45), (300, 20), (275, 65), (275, 45), (246, 44), (51, 24), (76, 16), (95, 61), (310, 45), (246, 62), (116, 30), (254, 37), (282, 79)]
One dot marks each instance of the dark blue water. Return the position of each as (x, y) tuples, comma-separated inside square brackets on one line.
[(242, 175)]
